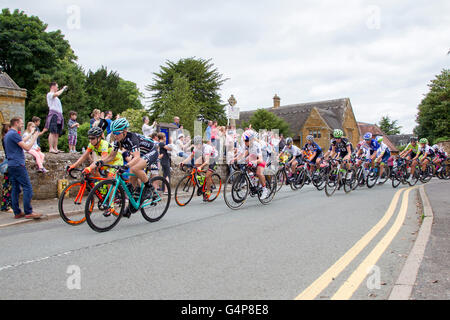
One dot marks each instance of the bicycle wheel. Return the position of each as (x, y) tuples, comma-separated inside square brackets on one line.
[(216, 187), (415, 177), (71, 203), (155, 208), (372, 177), (332, 182), (350, 180), (359, 175), (184, 190), (271, 185), (100, 215), (397, 176), (427, 174), (281, 179), (236, 190)]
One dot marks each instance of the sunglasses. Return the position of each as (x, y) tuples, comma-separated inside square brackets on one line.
[(116, 133), (92, 138)]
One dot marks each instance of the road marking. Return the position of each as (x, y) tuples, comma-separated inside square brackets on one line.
[(354, 281), (326, 278)]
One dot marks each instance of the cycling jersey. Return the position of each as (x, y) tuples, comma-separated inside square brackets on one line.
[(373, 146), (341, 147), (414, 149), (384, 150), (313, 147), (293, 151), (105, 148), (135, 142), (206, 150), (427, 149)]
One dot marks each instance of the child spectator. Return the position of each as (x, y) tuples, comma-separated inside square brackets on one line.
[(37, 123), (73, 127), (35, 149)]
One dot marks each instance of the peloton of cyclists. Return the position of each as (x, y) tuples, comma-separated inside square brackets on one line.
[(424, 156)]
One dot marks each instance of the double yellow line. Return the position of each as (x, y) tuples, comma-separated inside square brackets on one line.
[(353, 282)]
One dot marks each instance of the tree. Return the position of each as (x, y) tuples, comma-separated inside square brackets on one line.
[(204, 83), (180, 102), (108, 91), (433, 117), (389, 126), (28, 51), (135, 118), (266, 120)]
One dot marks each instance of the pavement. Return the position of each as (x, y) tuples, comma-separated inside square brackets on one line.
[(48, 208)]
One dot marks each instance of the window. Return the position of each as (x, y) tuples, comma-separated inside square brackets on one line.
[(315, 133)]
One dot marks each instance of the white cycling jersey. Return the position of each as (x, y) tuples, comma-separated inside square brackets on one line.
[(293, 150)]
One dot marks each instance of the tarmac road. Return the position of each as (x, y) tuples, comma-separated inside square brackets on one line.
[(285, 250)]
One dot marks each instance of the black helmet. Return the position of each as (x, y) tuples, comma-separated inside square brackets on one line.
[(413, 139), (95, 132)]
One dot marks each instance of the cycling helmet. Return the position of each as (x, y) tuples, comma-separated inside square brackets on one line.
[(249, 135), (423, 140), (379, 138), (310, 138), (197, 140), (338, 133), (120, 124), (435, 147), (95, 132), (368, 136), (413, 139), (289, 141)]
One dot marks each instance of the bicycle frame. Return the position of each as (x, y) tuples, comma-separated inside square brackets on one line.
[(134, 203)]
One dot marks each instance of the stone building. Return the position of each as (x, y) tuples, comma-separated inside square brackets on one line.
[(315, 118), (12, 99)]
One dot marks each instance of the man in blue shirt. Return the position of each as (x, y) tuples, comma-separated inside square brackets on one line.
[(18, 174)]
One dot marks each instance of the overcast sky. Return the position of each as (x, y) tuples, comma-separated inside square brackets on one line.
[(380, 54)]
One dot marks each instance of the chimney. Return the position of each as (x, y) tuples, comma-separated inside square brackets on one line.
[(276, 101)]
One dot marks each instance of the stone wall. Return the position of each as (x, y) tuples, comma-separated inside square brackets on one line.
[(12, 104)]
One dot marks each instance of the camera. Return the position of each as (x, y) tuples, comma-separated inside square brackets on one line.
[(202, 118)]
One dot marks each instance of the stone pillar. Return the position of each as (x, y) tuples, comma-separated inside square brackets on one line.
[(276, 101)]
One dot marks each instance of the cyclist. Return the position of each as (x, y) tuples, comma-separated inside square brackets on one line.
[(143, 150), (254, 158), (382, 154), (441, 156), (341, 147), (314, 150), (295, 155), (100, 150), (203, 155), (410, 150), (423, 157)]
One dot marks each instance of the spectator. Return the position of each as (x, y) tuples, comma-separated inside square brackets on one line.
[(154, 170), (282, 143), (37, 122), (208, 131), (164, 157), (35, 150), (182, 146), (146, 129), (97, 120), (6, 183), (73, 127), (14, 147), (176, 121), (55, 119), (108, 119)]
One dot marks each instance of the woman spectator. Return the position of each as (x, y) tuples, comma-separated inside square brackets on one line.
[(164, 157), (35, 150), (98, 121), (147, 130), (6, 183)]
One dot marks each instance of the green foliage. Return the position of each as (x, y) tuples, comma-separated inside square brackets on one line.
[(179, 102), (204, 83), (388, 126), (263, 119), (135, 118), (441, 139), (28, 51), (433, 117), (107, 91)]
